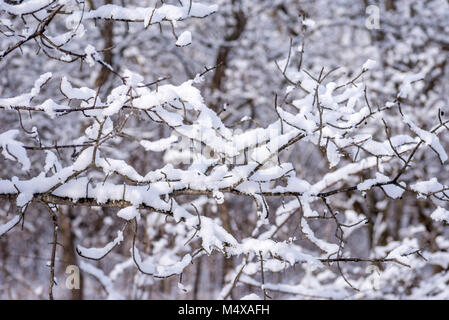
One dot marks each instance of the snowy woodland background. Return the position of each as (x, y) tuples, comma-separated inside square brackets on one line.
[(278, 149)]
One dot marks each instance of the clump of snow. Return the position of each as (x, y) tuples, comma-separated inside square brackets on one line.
[(369, 64), (13, 149), (408, 80), (427, 187), (98, 253), (440, 214), (429, 138), (184, 39), (128, 213), (251, 296), (91, 55), (159, 145), (10, 224)]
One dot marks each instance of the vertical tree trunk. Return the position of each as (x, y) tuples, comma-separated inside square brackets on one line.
[(222, 58), (107, 32), (69, 255)]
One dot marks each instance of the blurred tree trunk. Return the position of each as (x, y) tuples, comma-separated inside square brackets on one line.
[(69, 255), (222, 58), (107, 32)]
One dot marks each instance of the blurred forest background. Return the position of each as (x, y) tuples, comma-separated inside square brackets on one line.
[(245, 40)]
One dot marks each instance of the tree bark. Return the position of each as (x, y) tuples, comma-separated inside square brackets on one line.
[(69, 255)]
